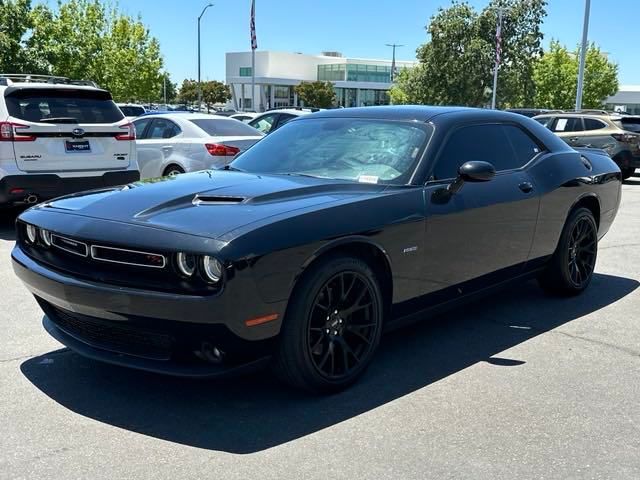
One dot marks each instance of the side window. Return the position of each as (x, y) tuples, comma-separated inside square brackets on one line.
[(593, 124), (140, 125), (571, 124), (162, 128), (505, 146), (284, 118), (264, 123), (523, 145)]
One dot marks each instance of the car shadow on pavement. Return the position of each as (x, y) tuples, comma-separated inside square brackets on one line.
[(254, 413)]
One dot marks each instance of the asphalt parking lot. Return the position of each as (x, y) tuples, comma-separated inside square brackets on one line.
[(518, 386)]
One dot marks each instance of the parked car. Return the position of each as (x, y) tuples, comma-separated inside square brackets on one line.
[(131, 110), (225, 112), (271, 120), (311, 243), (631, 123), (245, 117), (597, 129), (60, 136), (174, 143)]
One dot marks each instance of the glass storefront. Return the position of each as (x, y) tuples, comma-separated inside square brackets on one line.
[(373, 97), (331, 72), (368, 73)]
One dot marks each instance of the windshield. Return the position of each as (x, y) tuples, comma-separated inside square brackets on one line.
[(365, 150), (226, 128)]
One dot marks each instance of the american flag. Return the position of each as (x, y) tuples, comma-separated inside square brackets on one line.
[(254, 40)]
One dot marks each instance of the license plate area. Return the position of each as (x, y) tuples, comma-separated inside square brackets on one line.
[(77, 146)]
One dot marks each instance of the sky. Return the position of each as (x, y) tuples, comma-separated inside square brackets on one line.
[(357, 28)]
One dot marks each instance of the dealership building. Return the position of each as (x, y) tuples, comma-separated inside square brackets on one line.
[(626, 100), (357, 81)]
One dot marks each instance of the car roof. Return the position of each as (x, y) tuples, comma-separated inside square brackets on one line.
[(603, 116), (186, 116), (422, 113), (49, 86)]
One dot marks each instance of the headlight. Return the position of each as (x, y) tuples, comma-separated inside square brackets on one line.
[(32, 233), (186, 263), (45, 235), (212, 268)]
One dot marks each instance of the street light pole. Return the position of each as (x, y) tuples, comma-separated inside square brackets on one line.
[(199, 84), (393, 59), (583, 54)]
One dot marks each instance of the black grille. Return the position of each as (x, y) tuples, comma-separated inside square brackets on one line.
[(111, 336)]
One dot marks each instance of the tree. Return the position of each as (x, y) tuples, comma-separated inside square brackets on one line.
[(456, 64), (15, 22), (316, 94), (172, 92), (188, 91), (83, 39), (556, 73), (215, 92)]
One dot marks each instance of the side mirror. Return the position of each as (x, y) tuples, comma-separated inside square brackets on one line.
[(472, 172)]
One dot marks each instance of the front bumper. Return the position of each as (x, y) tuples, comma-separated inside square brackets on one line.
[(149, 330), (48, 186)]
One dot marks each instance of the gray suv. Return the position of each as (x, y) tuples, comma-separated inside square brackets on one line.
[(597, 129)]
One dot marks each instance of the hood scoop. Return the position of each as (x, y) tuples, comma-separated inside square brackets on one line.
[(204, 199)]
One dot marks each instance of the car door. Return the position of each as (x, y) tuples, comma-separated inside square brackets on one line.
[(484, 232), (156, 147)]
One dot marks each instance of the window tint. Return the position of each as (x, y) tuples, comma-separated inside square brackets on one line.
[(284, 118), (132, 111), (68, 105), (263, 123), (504, 146), (593, 124), (225, 128), (546, 121), (140, 125), (163, 128), (630, 124), (571, 124)]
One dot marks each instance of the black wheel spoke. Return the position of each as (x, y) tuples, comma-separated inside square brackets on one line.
[(343, 317)]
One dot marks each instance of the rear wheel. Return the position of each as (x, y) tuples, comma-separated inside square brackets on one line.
[(172, 170), (628, 172), (571, 268), (332, 326)]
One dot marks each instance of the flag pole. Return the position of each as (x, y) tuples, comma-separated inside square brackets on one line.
[(498, 54), (254, 45)]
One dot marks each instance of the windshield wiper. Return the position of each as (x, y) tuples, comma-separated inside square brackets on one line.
[(59, 120), (298, 174), (231, 169)]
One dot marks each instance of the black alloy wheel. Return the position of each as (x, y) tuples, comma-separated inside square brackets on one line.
[(332, 326), (581, 254), (571, 267), (343, 324)]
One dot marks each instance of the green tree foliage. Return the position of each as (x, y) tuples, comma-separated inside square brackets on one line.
[(215, 92), (15, 22), (456, 64), (316, 94), (188, 91), (556, 73), (84, 39), (172, 91)]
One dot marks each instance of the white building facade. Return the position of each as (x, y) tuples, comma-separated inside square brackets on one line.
[(357, 81)]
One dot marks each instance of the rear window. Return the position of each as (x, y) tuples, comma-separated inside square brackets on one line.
[(630, 124), (225, 128), (63, 106), (130, 111)]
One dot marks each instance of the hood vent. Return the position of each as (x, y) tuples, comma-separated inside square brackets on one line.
[(216, 200)]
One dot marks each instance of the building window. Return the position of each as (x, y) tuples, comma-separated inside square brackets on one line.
[(246, 103), (245, 71), (368, 73), (331, 72)]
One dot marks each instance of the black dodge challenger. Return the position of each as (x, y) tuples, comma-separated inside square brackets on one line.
[(309, 245)]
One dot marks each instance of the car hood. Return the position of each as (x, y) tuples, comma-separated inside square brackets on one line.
[(209, 203)]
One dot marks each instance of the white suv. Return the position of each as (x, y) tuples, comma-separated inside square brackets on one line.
[(59, 136)]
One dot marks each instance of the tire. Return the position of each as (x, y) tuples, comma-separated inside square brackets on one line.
[(570, 269), (322, 351), (628, 172), (172, 170)]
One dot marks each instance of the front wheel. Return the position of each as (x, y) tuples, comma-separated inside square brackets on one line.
[(571, 268), (172, 170), (332, 326)]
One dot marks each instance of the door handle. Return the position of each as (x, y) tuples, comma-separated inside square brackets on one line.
[(526, 187)]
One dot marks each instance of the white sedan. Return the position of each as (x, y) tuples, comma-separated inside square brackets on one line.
[(173, 143)]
